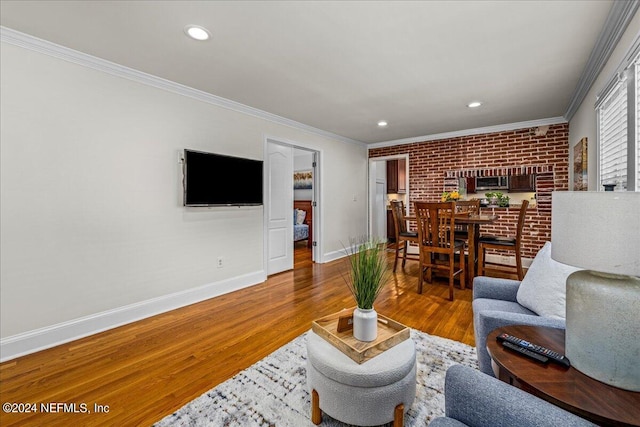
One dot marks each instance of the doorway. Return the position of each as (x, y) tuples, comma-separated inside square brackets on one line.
[(304, 162), (287, 209), (385, 173)]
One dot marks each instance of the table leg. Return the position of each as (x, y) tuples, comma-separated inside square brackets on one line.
[(474, 232)]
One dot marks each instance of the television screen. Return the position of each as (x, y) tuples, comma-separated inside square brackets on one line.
[(217, 180)]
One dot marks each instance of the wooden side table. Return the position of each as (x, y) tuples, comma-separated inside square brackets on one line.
[(567, 388)]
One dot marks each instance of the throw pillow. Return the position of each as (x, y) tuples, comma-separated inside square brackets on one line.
[(300, 216), (543, 289)]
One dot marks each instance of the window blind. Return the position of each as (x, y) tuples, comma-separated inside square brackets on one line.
[(637, 104), (618, 120), (612, 129)]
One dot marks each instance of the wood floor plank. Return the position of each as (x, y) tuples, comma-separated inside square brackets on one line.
[(148, 369)]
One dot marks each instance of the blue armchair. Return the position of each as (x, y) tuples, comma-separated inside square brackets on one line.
[(477, 400), (495, 306)]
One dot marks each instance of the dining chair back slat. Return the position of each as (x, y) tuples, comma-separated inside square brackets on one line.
[(402, 234), (504, 243), (438, 245)]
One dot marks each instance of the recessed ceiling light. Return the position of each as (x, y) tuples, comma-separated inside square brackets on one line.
[(382, 124), (474, 104), (197, 33)]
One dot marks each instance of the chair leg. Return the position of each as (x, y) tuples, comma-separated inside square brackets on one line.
[(395, 263), (463, 271), (398, 416), (452, 262), (519, 265), (404, 253), (316, 412), (480, 260), (420, 276)]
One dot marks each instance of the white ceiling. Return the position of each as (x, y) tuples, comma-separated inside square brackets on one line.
[(342, 66)]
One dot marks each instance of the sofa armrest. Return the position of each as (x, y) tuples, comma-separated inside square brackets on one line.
[(488, 320), (475, 399), (494, 288), (498, 319)]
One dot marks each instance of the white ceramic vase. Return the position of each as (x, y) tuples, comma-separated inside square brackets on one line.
[(365, 324)]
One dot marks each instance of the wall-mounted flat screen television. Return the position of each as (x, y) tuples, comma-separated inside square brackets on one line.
[(217, 180)]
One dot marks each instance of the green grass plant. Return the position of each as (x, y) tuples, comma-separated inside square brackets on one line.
[(368, 272)]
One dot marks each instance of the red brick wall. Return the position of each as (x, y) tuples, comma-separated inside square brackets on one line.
[(429, 162)]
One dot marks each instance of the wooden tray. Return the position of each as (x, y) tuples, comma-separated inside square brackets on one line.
[(390, 333)]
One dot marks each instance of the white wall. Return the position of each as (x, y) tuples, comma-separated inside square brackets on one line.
[(91, 201), (583, 123)]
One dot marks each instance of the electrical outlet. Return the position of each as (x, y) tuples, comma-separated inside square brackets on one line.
[(220, 263)]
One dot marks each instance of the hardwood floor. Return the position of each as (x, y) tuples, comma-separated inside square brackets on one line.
[(149, 369)]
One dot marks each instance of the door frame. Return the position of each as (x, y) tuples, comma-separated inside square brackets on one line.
[(371, 179), (316, 248)]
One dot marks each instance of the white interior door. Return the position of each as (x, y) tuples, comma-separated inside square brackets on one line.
[(380, 212), (280, 208), (378, 199)]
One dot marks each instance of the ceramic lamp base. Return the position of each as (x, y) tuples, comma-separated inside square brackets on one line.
[(602, 327)]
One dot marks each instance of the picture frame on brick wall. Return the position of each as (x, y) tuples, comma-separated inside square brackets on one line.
[(580, 165)]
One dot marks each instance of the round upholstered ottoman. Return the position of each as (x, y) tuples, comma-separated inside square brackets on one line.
[(375, 392)]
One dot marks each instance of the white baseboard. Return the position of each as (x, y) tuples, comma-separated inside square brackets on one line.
[(509, 260), (332, 256), (51, 336)]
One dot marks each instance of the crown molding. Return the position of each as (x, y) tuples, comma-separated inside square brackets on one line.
[(468, 132), (35, 44), (620, 14)]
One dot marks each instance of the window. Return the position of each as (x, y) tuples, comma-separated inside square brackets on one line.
[(618, 110), (637, 101), (613, 138)]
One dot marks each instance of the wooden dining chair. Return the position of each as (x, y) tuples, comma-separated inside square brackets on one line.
[(511, 243), (403, 235), (469, 207), (438, 246)]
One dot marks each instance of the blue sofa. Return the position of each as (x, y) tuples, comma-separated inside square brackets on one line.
[(495, 306), (478, 400)]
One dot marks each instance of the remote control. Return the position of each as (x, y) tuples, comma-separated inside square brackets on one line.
[(543, 351), (528, 353)]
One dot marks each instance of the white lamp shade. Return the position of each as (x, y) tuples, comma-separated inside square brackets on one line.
[(598, 231)]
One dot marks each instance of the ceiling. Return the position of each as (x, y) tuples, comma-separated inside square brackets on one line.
[(343, 66)]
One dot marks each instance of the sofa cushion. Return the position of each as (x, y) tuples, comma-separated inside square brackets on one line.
[(476, 399), (543, 289)]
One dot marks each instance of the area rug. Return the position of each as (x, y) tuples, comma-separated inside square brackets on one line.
[(273, 391)]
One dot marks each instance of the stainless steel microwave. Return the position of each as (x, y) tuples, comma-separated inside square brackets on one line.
[(492, 183)]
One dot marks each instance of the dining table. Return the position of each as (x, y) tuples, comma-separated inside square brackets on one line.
[(473, 222)]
